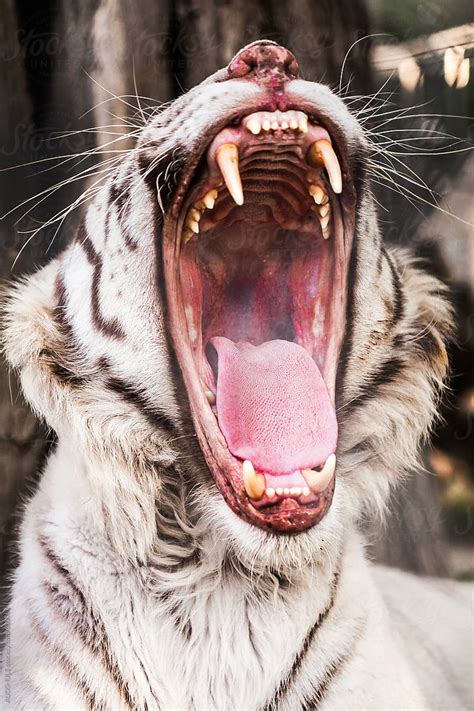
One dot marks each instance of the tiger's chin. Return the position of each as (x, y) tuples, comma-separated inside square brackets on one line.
[(256, 252)]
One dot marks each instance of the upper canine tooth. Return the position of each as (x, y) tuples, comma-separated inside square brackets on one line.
[(317, 193), (210, 198), (253, 126), (227, 158), (254, 483), (323, 151), (318, 481)]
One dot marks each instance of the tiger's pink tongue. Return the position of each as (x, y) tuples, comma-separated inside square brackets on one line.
[(273, 406)]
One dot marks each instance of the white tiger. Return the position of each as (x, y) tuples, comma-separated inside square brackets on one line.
[(201, 349)]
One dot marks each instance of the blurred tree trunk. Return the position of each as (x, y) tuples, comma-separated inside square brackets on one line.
[(22, 438), (155, 49)]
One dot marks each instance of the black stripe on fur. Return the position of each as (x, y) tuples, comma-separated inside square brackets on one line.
[(155, 416), (285, 685), (313, 701), (385, 374), (111, 327), (78, 680)]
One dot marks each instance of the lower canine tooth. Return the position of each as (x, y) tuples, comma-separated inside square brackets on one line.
[(227, 158), (254, 483), (318, 481)]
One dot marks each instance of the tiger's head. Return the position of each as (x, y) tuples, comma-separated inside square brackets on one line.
[(228, 326)]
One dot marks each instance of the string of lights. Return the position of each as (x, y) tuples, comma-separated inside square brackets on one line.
[(453, 47)]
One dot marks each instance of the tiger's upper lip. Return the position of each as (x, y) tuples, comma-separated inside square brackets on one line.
[(275, 105), (312, 140)]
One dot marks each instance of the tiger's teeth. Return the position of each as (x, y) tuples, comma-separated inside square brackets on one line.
[(274, 125), (192, 225), (279, 491), (324, 221), (318, 481), (318, 194), (295, 491), (266, 125), (227, 158), (306, 491), (326, 232), (322, 151), (211, 398), (254, 126), (303, 124), (254, 483), (284, 124), (324, 210), (187, 234), (293, 123), (270, 493), (210, 198)]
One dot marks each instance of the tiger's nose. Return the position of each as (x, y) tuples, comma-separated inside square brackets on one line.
[(266, 62)]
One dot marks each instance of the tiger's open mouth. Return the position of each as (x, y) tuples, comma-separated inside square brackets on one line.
[(256, 255)]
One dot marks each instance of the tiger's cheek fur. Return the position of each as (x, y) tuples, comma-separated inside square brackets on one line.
[(89, 336)]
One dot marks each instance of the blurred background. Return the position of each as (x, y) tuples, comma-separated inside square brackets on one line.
[(407, 71)]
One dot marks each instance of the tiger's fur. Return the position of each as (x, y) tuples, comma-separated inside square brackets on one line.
[(138, 588)]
